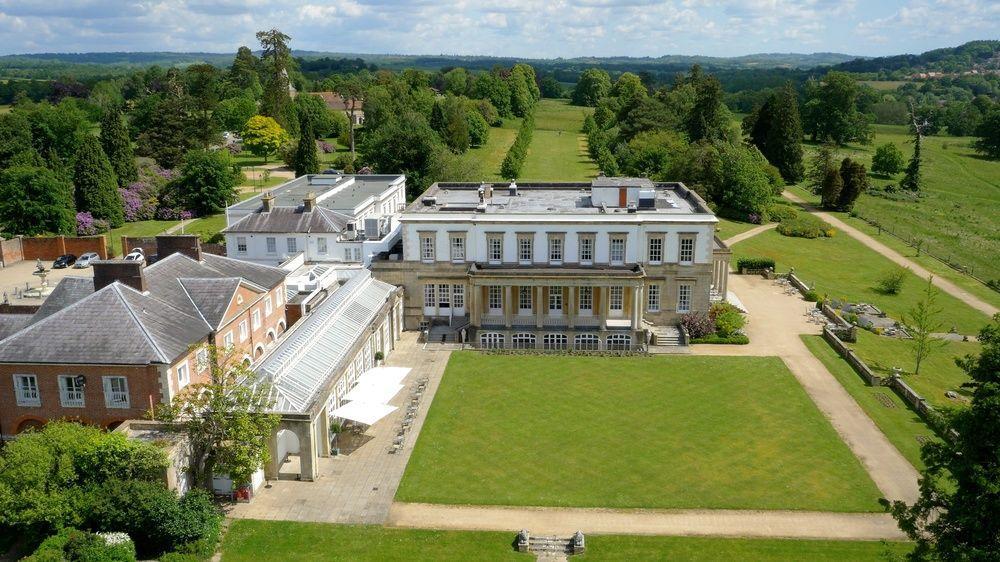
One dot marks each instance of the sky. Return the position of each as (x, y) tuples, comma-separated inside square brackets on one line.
[(516, 28)]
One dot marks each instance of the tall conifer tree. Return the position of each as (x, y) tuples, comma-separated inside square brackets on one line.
[(118, 147), (306, 159), (96, 184)]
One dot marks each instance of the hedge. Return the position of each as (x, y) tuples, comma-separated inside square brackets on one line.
[(735, 339), (753, 263), (512, 163), (805, 226)]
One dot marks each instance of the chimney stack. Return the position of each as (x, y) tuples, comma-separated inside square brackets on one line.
[(309, 203), (187, 244), (125, 272), (267, 201)]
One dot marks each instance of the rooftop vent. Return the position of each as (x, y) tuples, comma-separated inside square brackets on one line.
[(604, 208), (481, 208), (429, 201), (631, 207), (512, 189)]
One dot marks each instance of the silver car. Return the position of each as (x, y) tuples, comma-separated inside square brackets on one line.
[(86, 260)]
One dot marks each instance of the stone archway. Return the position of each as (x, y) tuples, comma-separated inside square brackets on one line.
[(30, 424)]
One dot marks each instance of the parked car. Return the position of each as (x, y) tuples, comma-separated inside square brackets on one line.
[(86, 260), (332, 171), (136, 255), (64, 261)]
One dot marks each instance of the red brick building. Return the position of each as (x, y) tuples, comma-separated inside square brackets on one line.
[(110, 348)]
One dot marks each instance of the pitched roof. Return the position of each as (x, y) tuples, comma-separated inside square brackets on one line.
[(116, 325), (337, 102), (13, 323), (290, 219), (315, 350)]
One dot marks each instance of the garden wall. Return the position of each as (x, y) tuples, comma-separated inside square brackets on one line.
[(856, 363), (10, 251), (51, 247)]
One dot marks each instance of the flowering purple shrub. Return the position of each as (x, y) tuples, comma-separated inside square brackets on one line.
[(326, 147), (172, 214), (85, 224), (139, 200), (697, 324)]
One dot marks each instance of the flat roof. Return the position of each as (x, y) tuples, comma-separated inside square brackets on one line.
[(333, 191), (568, 198)]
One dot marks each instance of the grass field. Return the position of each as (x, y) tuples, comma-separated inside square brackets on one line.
[(690, 549), (667, 432), (206, 227), (901, 425), (938, 374), (489, 156), (889, 85), (957, 216), (558, 150), (729, 228), (842, 267), (249, 539), (285, 541), (139, 228)]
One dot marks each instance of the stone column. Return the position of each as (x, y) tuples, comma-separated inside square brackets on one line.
[(307, 451), (323, 427), (636, 307), (539, 306), (271, 468), (605, 292), (569, 305), (508, 304)]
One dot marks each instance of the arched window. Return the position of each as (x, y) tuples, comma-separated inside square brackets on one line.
[(523, 341), (589, 342), (619, 342), (491, 340), (555, 341)]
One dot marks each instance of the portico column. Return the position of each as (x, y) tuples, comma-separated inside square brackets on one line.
[(324, 431), (569, 304), (475, 295), (636, 306), (538, 306), (605, 293), (508, 303)]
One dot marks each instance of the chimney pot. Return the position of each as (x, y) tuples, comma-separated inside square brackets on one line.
[(187, 244), (309, 203), (267, 201)]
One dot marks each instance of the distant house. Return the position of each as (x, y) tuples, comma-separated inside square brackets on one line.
[(337, 102), (321, 218), (110, 348)]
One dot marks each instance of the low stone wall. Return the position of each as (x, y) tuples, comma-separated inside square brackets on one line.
[(797, 283), (856, 363)]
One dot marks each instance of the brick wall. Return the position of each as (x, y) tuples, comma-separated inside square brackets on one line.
[(51, 247), (143, 384), (10, 251), (147, 243), (275, 323)]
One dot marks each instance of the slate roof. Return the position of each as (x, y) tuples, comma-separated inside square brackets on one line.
[(291, 219), (117, 325), (114, 326), (314, 351), (12, 323)]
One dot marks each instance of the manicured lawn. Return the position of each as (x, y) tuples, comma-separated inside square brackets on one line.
[(842, 267), (664, 432), (729, 228), (489, 156), (956, 217), (258, 185), (938, 373), (137, 229), (900, 424), (206, 227), (286, 541), (558, 150), (689, 549)]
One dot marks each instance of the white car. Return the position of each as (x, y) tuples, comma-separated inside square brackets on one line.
[(136, 255), (86, 260)]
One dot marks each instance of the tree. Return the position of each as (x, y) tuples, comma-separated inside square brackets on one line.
[(55, 128), (855, 182), (207, 181), (592, 85), (243, 72), (551, 88), (922, 321), (15, 136), (226, 420), (523, 89), (456, 81), (630, 92), (776, 129), (745, 185), (988, 132), (888, 160), (118, 147), (233, 113), (263, 136), (833, 184), (313, 108), (823, 160), (306, 160), (203, 89), (168, 135), (709, 118), (479, 129), (406, 144), (276, 60), (455, 125), (352, 90), (45, 474), (35, 200), (489, 86), (911, 179), (96, 184), (953, 519), (831, 110)]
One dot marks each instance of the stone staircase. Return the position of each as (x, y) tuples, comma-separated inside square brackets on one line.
[(550, 548), (666, 339), (444, 336)]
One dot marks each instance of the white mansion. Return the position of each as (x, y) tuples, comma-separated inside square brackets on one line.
[(556, 265)]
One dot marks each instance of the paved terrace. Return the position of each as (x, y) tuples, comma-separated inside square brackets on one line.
[(358, 488)]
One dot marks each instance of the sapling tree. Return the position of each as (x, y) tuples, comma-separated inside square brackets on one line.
[(922, 321)]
